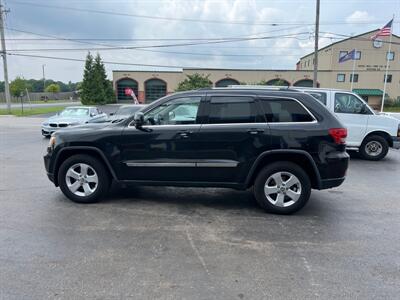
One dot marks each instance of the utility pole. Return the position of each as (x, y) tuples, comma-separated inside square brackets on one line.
[(315, 77), (4, 55), (44, 79)]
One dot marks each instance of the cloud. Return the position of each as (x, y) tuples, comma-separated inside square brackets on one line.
[(279, 53), (359, 16)]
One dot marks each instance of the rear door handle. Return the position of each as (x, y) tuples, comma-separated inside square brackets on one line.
[(255, 131)]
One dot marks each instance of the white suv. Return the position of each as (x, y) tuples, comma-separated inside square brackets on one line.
[(369, 133)]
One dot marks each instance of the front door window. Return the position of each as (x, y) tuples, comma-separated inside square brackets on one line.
[(175, 112), (348, 104)]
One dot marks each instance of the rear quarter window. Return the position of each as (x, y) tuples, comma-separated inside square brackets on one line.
[(280, 110), (320, 96)]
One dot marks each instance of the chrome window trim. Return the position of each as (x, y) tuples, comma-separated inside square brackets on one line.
[(194, 126)]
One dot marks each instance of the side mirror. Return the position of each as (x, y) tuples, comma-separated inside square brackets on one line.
[(111, 114), (139, 119)]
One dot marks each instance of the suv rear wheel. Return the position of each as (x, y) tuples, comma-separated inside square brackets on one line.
[(282, 188), (83, 179), (374, 147)]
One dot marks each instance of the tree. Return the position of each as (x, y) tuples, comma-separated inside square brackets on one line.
[(193, 82), (53, 88), (18, 87), (95, 88)]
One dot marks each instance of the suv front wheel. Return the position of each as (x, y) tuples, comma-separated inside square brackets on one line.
[(282, 188), (83, 179)]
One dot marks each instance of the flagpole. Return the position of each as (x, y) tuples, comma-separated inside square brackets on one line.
[(352, 75), (387, 66)]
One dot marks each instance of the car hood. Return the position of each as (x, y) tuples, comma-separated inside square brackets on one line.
[(118, 117), (59, 119), (87, 127)]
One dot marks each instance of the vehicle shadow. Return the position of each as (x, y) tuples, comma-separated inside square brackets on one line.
[(189, 200)]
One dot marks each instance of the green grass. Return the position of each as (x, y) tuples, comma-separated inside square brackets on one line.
[(34, 111), (392, 109), (26, 102)]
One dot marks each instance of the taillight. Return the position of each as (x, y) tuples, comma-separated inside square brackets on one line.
[(339, 135), (398, 131)]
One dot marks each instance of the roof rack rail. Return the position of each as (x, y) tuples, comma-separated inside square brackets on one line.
[(264, 87)]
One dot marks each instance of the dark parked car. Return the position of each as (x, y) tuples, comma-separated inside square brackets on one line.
[(281, 143)]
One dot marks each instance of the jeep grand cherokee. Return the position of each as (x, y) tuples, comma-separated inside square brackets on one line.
[(280, 143)]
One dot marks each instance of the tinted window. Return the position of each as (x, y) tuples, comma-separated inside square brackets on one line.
[(320, 96), (348, 104), (284, 110), (232, 110), (177, 111)]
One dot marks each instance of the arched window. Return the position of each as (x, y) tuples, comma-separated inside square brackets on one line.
[(278, 82), (123, 84), (154, 89), (226, 82), (304, 83)]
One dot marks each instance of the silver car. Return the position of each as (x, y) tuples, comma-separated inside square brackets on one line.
[(72, 116)]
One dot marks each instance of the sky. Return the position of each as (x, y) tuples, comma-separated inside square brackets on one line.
[(254, 34)]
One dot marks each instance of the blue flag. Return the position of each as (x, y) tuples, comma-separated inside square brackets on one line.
[(349, 56)]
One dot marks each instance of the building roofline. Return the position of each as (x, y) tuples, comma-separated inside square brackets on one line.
[(154, 71), (349, 38)]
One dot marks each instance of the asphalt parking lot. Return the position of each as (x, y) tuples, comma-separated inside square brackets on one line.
[(183, 243)]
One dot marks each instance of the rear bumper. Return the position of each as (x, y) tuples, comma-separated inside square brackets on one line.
[(330, 183), (396, 142), (333, 169)]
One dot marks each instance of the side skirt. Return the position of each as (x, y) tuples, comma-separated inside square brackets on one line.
[(184, 184)]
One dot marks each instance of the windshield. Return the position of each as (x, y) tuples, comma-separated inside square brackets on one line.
[(128, 110), (74, 112)]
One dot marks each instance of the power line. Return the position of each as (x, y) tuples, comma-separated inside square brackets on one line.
[(110, 47), (156, 65), (37, 5)]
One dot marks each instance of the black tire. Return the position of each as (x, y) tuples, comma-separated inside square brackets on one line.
[(378, 141), (282, 166), (103, 177)]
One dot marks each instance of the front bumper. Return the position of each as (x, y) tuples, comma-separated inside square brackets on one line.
[(47, 130), (396, 142), (46, 160)]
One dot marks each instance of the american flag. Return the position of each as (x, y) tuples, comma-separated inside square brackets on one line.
[(384, 31)]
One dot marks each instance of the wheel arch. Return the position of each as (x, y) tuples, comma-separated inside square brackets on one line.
[(67, 152), (381, 133), (299, 157)]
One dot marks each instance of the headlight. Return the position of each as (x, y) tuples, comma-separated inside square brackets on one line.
[(73, 124), (52, 143), (45, 124)]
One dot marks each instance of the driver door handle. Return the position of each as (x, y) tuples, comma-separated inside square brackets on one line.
[(185, 133), (255, 131)]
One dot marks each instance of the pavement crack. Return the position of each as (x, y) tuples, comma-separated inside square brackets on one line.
[(196, 251)]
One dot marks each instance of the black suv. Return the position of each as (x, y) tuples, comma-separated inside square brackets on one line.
[(281, 143)]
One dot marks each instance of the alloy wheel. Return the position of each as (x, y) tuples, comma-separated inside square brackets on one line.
[(282, 189), (81, 179)]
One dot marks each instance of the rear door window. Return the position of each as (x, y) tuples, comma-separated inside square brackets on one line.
[(282, 110), (232, 109)]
